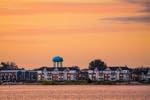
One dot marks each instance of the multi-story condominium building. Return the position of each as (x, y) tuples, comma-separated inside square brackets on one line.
[(8, 75), (83, 74), (147, 76), (110, 74), (9, 72), (18, 76), (141, 74), (58, 73)]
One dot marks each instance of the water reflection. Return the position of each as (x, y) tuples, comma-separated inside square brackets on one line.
[(74, 92)]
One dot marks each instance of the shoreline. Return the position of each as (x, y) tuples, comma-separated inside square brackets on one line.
[(77, 83)]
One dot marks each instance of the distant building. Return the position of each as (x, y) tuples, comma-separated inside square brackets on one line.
[(141, 74), (58, 72), (8, 75), (83, 74), (18, 76), (110, 74), (147, 76), (9, 72)]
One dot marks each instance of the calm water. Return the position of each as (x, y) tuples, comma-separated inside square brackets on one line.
[(74, 92)]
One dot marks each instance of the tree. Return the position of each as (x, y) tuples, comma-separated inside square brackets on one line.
[(8, 66), (97, 63)]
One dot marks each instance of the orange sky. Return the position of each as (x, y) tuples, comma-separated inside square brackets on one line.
[(33, 31)]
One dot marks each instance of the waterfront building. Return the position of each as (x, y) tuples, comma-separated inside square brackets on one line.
[(18, 76), (110, 74), (147, 76), (141, 74), (83, 74), (58, 72), (8, 75)]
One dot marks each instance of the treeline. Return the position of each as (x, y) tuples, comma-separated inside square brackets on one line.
[(9, 66), (97, 63)]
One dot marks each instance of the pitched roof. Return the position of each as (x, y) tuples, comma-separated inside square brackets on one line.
[(41, 68), (140, 71), (74, 68), (58, 68), (114, 68), (125, 68), (119, 67), (84, 70)]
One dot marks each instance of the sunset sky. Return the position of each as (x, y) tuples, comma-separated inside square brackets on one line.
[(34, 31)]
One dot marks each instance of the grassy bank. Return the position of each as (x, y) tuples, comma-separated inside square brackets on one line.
[(86, 82), (79, 82)]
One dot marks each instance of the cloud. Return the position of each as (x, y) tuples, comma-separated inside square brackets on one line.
[(144, 13), (142, 19), (145, 4)]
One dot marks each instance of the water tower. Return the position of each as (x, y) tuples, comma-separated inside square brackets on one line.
[(58, 61)]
